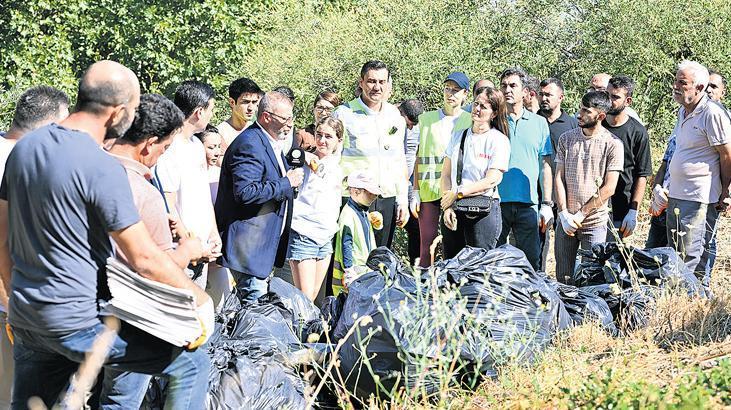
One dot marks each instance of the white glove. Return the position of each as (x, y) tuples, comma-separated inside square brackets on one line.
[(659, 200), (207, 319), (568, 223), (415, 203), (353, 273), (545, 217), (629, 223), (579, 218)]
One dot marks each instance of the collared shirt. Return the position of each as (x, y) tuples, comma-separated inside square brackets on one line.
[(373, 142), (586, 162), (530, 141), (695, 171), (277, 148), (148, 201)]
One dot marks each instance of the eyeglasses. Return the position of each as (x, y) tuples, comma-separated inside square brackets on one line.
[(284, 120), (321, 109)]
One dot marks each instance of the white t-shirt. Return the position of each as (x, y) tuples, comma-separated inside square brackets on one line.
[(182, 169), (482, 152), (228, 132), (5, 147), (317, 206)]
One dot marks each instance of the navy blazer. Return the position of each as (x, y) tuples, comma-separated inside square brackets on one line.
[(250, 205)]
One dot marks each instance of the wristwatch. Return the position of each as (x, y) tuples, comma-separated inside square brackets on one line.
[(549, 203)]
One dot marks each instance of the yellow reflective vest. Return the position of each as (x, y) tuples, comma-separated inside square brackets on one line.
[(374, 142), (435, 130)]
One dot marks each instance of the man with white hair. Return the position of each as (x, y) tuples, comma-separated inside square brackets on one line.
[(700, 171)]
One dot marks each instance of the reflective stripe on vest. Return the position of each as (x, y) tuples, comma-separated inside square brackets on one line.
[(361, 248), (434, 138), (373, 143)]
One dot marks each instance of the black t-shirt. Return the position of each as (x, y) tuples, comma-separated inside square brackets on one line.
[(637, 162), (562, 124)]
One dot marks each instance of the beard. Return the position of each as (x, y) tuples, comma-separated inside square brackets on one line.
[(120, 128), (589, 123), (545, 110), (616, 111)]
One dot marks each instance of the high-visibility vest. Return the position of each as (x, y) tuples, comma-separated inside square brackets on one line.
[(362, 246), (435, 133), (374, 143)]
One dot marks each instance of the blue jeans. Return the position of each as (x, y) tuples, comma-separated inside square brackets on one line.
[(249, 287), (480, 231), (522, 220), (44, 365)]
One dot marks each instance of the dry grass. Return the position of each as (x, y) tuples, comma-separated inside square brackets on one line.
[(683, 334)]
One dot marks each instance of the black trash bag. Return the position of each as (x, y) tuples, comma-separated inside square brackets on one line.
[(387, 296), (662, 267), (330, 311), (619, 263), (629, 307), (635, 305), (264, 383), (265, 328), (516, 310), (583, 306), (303, 310)]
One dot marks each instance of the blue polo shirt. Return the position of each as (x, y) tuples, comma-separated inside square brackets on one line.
[(530, 141)]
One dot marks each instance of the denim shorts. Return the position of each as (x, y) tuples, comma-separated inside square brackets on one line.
[(302, 247)]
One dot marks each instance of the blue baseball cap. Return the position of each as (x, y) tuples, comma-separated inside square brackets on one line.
[(460, 78)]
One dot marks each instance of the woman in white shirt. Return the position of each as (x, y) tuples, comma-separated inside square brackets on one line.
[(316, 209), (484, 150)]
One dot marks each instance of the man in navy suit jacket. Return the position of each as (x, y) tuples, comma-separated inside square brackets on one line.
[(254, 202)]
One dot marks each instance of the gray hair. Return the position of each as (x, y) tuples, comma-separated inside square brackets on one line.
[(698, 71), (272, 99)]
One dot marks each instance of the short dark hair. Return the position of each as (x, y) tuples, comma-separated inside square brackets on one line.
[(191, 95), (723, 79), (531, 83), (515, 71), (156, 116), (243, 85), (283, 89), (411, 109), (552, 80), (37, 105), (624, 82), (210, 129), (597, 99), (373, 65)]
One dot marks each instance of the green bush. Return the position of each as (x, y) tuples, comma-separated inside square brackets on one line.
[(52, 41)]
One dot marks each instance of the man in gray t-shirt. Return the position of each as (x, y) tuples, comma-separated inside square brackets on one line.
[(700, 171), (61, 197)]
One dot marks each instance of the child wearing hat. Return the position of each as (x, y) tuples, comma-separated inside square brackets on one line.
[(355, 240)]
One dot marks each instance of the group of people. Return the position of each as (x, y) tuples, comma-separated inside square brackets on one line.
[(207, 208)]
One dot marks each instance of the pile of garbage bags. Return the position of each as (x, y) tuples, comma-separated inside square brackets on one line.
[(420, 332)]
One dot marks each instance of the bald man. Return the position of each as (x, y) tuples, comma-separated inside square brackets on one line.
[(61, 198)]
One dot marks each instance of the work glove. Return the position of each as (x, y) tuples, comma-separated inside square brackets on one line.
[(629, 223), (207, 319), (546, 217), (569, 221), (415, 203), (659, 200)]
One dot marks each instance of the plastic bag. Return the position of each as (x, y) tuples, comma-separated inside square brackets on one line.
[(258, 384), (518, 312), (583, 306)]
